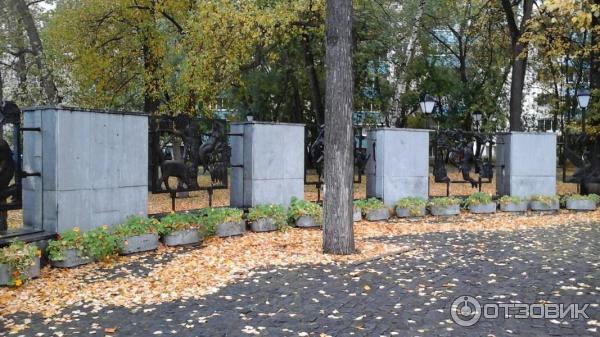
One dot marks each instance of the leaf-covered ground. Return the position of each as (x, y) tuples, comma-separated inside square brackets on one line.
[(172, 274)]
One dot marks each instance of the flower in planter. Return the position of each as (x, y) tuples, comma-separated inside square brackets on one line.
[(71, 239), (212, 217), (444, 202), (136, 225), (174, 222), (510, 199), (275, 212), (19, 257), (590, 197), (479, 198), (299, 208), (414, 205), (368, 205), (547, 200), (100, 244)]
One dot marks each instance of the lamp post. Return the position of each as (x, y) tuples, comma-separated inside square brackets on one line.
[(427, 106), (477, 117), (583, 98)]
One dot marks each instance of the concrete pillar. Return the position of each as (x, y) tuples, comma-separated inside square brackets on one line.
[(267, 163), (398, 164), (93, 165), (526, 164)]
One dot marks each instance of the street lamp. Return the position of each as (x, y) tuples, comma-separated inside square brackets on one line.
[(477, 117), (427, 105), (583, 98)]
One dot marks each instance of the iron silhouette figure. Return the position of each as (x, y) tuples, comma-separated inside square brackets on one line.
[(583, 151)]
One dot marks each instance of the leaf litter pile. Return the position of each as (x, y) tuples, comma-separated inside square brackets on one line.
[(190, 273)]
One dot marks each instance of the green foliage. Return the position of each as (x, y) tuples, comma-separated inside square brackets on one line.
[(136, 225), (368, 205), (211, 217), (177, 222), (509, 199), (19, 257), (100, 244), (547, 200), (592, 197), (275, 212), (444, 202), (479, 198), (71, 239), (299, 208), (414, 205)]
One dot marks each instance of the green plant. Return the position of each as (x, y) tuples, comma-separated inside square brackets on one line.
[(591, 197), (177, 222), (444, 202), (101, 244), (368, 205), (19, 257), (510, 199), (275, 212), (299, 208), (136, 225), (547, 200), (71, 239), (414, 205), (211, 217), (479, 198)]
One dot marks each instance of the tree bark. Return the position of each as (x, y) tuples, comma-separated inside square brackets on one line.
[(519, 60), (22, 11), (338, 232)]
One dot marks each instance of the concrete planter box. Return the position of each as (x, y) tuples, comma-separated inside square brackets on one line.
[(5, 272), (139, 243), (378, 214), (228, 229), (483, 208), (183, 237), (581, 205), (405, 212), (357, 215), (307, 222), (514, 207), (446, 210), (543, 207), (264, 225), (73, 257)]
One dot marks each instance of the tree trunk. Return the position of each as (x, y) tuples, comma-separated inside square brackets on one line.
[(595, 59), (402, 83), (313, 80), (519, 60), (338, 232), (22, 11)]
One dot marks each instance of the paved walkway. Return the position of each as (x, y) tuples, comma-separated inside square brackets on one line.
[(404, 295)]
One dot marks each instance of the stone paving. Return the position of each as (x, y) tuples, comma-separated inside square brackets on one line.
[(401, 295)]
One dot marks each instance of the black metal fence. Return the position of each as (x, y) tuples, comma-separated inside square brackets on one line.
[(579, 156)]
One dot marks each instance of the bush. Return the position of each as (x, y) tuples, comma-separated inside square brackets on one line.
[(19, 257), (178, 221), (214, 216), (509, 199), (275, 212), (100, 244), (444, 202), (136, 225), (592, 197), (414, 205), (479, 198), (368, 205), (545, 199), (71, 239), (299, 208)]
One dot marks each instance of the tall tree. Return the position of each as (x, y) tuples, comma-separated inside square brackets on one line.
[(338, 232), (519, 57)]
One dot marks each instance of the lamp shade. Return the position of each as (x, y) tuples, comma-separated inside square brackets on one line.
[(583, 98), (427, 104), (477, 116)]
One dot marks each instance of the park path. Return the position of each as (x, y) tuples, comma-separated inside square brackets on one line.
[(399, 295)]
